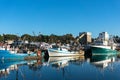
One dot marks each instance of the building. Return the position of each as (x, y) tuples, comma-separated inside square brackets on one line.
[(103, 38), (84, 38)]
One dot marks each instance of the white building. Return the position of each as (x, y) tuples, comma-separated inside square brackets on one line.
[(103, 38)]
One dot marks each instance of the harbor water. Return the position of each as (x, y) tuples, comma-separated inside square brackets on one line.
[(62, 68)]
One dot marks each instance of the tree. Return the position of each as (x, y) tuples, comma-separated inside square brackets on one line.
[(67, 38), (1, 38), (27, 37), (10, 37)]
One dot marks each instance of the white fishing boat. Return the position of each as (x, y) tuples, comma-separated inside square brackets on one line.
[(62, 51)]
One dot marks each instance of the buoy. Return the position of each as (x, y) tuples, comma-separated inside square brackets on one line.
[(39, 53)]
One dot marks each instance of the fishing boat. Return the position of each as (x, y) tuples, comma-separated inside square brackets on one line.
[(62, 51), (103, 45), (7, 55)]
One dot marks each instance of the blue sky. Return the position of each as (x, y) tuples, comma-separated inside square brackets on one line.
[(59, 16)]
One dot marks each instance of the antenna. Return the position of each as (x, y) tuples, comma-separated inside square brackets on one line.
[(34, 33)]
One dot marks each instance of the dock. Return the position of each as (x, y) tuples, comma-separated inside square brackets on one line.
[(33, 58)]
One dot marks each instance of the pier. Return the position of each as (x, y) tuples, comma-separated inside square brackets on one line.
[(33, 58)]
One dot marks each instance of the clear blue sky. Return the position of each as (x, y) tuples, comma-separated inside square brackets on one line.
[(59, 16)]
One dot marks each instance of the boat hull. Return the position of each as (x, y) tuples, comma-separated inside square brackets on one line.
[(54, 53), (102, 51), (62, 54), (6, 55)]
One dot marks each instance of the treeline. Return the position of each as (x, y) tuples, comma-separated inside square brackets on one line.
[(116, 39), (67, 38)]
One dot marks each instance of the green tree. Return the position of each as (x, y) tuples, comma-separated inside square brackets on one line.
[(27, 37), (10, 37), (1, 38)]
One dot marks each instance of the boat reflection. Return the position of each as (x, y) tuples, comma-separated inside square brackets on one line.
[(6, 66), (61, 62), (55, 62), (102, 61)]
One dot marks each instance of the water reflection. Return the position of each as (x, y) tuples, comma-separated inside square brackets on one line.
[(61, 62), (64, 66), (60, 68), (7, 66), (58, 63), (102, 61), (36, 65)]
